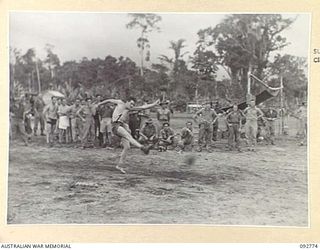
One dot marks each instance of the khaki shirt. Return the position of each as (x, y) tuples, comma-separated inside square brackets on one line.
[(252, 114), (164, 114), (73, 110)]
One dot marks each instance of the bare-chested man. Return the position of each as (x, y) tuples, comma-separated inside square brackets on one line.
[(51, 114), (120, 125)]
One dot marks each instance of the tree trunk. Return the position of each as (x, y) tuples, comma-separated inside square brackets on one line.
[(32, 80), (38, 77), (142, 53), (257, 88), (244, 80), (141, 62), (29, 82), (236, 85)]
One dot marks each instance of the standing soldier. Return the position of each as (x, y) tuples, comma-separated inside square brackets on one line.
[(217, 108), (86, 113), (97, 118), (51, 114), (205, 118), (105, 124), (163, 114), (221, 124), (302, 114), (19, 112), (39, 118), (75, 121), (29, 105), (56, 131), (270, 116), (252, 114), (234, 119), (64, 122)]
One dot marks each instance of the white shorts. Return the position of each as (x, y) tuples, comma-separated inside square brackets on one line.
[(105, 125), (64, 122)]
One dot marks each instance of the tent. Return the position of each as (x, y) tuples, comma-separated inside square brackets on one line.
[(268, 93)]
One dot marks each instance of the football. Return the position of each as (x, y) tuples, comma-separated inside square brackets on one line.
[(189, 160)]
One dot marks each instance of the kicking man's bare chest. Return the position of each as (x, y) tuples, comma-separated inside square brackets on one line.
[(121, 115)]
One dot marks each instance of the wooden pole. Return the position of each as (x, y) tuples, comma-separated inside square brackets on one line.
[(196, 94), (129, 82), (281, 108), (30, 81), (249, 81), (249, 97), (141, 53), (38, 76), (141, 62)]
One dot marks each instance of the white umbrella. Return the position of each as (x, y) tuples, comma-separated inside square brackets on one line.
[(46, 96)]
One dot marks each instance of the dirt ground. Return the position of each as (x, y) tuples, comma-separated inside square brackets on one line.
[(63, 185)]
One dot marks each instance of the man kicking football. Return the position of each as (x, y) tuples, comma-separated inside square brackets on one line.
[(120, 125)]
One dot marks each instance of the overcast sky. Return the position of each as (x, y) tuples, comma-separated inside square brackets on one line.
[(92, 35)]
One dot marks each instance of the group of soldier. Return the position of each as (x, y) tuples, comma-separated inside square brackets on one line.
[(88, 120), (61, 121), (113, 122)]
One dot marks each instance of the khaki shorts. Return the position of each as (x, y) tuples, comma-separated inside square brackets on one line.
[(51, 125), (116, 125), (105, 125)]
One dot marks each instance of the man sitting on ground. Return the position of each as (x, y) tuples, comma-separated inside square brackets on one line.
[(148, 133), (186, 137), (166, 137)]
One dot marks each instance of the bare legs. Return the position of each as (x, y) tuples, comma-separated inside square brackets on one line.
[(126, 140)]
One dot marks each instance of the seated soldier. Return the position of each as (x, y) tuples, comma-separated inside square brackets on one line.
[(186, 137), (166, 137), (148, 133)]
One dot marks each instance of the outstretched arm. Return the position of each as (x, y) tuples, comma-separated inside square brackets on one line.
[(115, 101), (79, 114), (214, 112), (196, 115), (45, 110), (142, 134), (261, 113), (228, 114), (147, 106)]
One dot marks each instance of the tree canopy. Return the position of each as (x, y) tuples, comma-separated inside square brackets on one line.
[(236, 43)]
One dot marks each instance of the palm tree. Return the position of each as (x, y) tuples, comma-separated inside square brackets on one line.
[(177, 61), (146, 22)]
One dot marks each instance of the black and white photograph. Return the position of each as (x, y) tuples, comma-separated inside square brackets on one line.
[(158, 118)]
